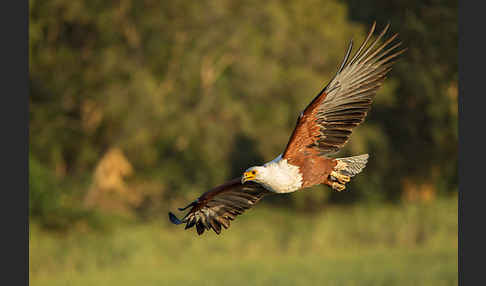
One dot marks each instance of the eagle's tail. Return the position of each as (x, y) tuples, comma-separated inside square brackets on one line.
[(345, 169), (351, 166)]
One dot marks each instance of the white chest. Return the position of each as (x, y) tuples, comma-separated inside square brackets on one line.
[(281, 177)]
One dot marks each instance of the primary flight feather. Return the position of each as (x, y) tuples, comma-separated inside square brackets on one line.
[(322, 128)]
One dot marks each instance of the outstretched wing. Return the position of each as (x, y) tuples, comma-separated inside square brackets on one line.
[(220, 205), (327, 122)]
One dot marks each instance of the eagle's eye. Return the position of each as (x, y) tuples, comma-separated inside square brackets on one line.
[(253, 172)]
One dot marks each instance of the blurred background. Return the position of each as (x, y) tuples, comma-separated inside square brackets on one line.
[(137, 107)]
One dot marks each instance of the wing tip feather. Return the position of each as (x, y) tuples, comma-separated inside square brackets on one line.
[(173, 219)]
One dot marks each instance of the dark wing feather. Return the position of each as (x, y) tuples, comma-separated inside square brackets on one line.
[(218, 206), (327, 122)]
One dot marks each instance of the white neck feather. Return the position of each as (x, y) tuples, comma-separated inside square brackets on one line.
[(281, 177)]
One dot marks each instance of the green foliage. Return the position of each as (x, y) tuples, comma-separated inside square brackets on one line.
[(421, 123), (52, 208), (43, 192), (195, 92)]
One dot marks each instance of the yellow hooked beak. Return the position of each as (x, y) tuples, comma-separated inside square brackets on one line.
[(248, 176)]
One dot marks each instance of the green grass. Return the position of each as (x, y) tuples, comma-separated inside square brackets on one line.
[(408, 244)]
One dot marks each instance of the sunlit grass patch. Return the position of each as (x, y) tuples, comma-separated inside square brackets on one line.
[(409, 244)]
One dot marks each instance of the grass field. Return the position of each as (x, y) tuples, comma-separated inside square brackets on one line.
[(406, 244)]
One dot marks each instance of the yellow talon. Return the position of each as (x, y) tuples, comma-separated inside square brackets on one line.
[(338, 187), (343, 179)]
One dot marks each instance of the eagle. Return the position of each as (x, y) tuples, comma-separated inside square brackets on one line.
[(322, 129)]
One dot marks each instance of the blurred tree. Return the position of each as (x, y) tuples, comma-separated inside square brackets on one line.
[(244, 154), (49, 205), (420, 123), (181, 87)]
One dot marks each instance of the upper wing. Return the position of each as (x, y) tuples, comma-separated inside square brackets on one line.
[(218, 206), (327, 122)]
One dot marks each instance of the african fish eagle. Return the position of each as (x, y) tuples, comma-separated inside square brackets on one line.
[(322, 128)]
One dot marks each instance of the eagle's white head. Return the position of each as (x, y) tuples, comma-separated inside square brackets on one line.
[(276, 176)]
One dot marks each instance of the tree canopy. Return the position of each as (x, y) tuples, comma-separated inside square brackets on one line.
[(195, 92)]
